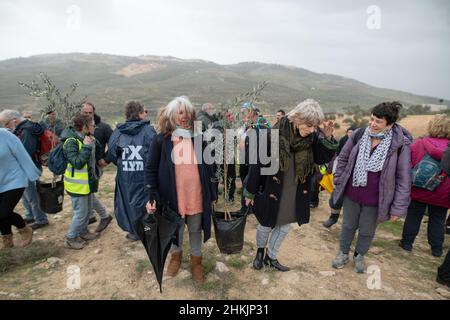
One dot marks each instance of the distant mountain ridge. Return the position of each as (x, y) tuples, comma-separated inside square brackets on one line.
[(111, 80)]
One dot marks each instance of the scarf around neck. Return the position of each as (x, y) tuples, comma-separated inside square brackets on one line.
[(366, 162), (291, 143)]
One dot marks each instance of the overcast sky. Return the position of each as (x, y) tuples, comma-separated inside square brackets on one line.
[(400, 44)]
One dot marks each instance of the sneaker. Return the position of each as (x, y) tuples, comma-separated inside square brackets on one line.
[(332, 220), (88, 236), (360, 265), (36, 226), (103, 224), (340, 261), (76, 244), (92, 220), (132, 237)]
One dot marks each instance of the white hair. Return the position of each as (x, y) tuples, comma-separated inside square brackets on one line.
[(308, 111), (166, 121), (8, 115), (206, 106)]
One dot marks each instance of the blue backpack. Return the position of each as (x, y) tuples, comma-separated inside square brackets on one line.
[(57, 162), (427, 174)]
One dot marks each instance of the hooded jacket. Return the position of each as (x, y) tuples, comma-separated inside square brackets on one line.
[(395, 180), (28, 132), (435, 148), (128, 149)]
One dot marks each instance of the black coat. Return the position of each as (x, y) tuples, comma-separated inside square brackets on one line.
[(267, 190), (160, 179), (128, 149)]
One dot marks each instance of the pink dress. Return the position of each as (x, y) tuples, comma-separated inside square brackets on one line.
[(187, 177)]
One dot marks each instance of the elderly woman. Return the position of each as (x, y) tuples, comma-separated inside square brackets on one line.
[(128, 149), (373, 178), (284, 198), (177, 177), (436, 202)]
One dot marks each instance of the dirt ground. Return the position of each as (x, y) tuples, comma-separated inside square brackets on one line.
[(114, 268)]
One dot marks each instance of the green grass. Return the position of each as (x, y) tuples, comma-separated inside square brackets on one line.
[(238, 263), (141, 266), (394, 227), (11, 259)]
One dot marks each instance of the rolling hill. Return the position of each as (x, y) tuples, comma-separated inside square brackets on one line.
[(110, 80)]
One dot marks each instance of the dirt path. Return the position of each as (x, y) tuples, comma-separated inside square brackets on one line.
[(114, 268)]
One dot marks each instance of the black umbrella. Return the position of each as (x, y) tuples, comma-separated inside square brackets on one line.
[(157, 232)]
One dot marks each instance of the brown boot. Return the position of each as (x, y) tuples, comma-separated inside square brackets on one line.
[(8, 241), (197, 269), (174, 264), (27, 235)]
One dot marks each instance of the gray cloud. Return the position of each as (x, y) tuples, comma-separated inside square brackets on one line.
[(410, 52)]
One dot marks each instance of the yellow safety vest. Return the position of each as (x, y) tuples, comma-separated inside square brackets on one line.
[(76, 181)]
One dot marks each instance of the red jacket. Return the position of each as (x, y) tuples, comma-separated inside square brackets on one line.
[(435, 147)]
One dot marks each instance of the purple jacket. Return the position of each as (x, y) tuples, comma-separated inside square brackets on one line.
[(395, 180)]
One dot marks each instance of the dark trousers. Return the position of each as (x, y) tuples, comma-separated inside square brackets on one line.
[(436, 224), (243, 171), (444, 269), (314, 188), (8, 218)]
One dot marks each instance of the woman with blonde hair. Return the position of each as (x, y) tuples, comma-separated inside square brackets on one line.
[(437, 202), (284, 198), (177, 178)]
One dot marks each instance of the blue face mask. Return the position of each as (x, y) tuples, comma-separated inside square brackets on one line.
[(380, 135)]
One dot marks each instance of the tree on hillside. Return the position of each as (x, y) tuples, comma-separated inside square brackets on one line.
[(54, 100)]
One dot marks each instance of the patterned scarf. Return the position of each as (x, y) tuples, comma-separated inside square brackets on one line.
[(292, 143), (366, 162)]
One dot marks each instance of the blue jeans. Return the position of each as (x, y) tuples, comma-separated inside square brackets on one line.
[(276, 235), (80, 220), (31, 203), (98, 207)]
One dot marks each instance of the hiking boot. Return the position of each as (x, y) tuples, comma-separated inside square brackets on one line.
[(29, 221), (436, 253), (92, 220), (258, 262), (8, 241), (104, 223), (27, 236), (332, 220), (174, 264), (360, 266), (442, 281), (88, 236), (197, 269), (273, 263), (404, 246), (76, 244), (340, 261), (36, 225), (132, 237)]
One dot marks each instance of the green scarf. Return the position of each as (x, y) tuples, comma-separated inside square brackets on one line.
[(292, 143)]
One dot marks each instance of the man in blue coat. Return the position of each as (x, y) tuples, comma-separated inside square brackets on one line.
[(128, 149)]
